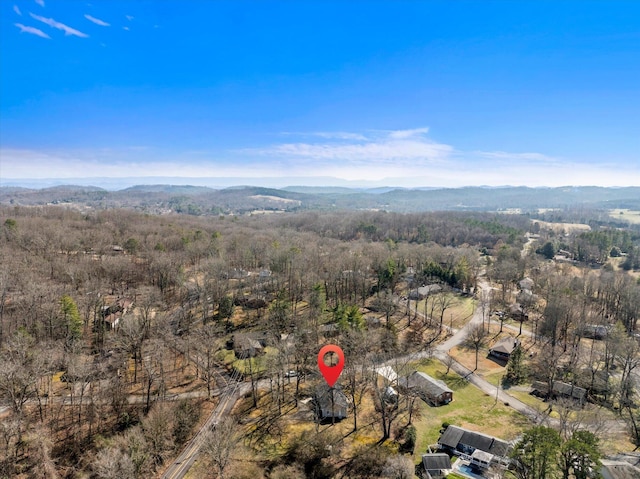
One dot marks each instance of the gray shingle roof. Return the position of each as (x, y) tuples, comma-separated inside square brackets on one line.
[(433, 387), (506, 345), (436, 462), (561, 388), (455, 435), (337, 408)]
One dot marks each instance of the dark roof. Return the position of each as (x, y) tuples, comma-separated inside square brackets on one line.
[(324, 401), (506, 345), (251, 342), (559, 387), (424, 382), (455, 435), (436, 462), (612, 469)]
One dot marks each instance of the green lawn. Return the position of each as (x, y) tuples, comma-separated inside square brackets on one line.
[(471, 408)]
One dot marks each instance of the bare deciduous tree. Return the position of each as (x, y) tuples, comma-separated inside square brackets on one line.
[(476, 339), (220, 443)]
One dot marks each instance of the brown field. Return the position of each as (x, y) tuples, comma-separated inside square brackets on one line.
[(566, 227)]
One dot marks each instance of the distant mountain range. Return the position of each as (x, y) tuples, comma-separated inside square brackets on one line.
[(202, 200)]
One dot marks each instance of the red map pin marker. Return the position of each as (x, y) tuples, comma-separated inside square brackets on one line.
[(331, 372)]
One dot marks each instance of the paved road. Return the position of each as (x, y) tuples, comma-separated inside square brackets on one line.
[(185, 460), (442, 351)]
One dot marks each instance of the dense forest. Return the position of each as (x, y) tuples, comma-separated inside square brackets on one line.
[(205, 201), (120, 331)]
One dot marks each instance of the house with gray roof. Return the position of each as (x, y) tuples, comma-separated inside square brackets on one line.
[(425, 291), (249, 345), (504, 347), (616, 469), (526, 284), (431, 390), (331, 403), (458, 440), (560, 389), (436, 465)]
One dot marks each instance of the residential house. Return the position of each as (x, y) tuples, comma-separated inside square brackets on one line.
[(429, 389), (504, 347), (595, 331), (560, 389), (436, 465), (424, 291), (330, 403), (621, 466), (617, 469), (113, 314), (112, 321), (249, 345), (526, 284), (516, 311), (480, 459), (458, 440)]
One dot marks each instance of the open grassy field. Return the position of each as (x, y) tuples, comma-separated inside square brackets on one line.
[(471, 408), (631, 216)]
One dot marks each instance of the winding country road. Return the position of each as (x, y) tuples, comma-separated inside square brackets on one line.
[(442, 351)]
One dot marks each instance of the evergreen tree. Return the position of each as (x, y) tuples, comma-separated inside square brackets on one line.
[(71, 319), (580, 454), (516, 368), (535, 455)]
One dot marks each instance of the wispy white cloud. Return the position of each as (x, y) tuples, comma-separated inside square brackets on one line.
[(340, 135), (31, 30), (401, 134), (129, 17), (60, 26), (329, 135), (17, 10), (503, 155), (401, 148), (97, 21), (460, 170), (126, 28), (40, 2)]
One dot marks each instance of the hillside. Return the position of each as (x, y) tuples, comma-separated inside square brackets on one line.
[(200, 200)]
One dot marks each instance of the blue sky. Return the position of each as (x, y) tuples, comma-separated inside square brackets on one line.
[(428, 93)]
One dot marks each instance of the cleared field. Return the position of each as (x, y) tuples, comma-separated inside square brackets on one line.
[(631, 216), (563, 227)]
